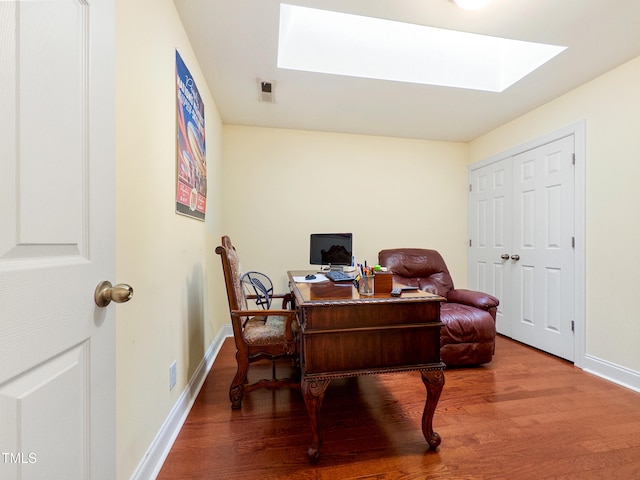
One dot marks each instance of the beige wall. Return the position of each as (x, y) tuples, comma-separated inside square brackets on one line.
[(281, 185), (178, 305), (609, 105)]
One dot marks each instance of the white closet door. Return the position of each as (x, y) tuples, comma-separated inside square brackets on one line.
[(490, 234), (543, 229)]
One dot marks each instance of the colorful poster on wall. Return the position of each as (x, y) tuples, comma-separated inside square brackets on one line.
[(191, 191)]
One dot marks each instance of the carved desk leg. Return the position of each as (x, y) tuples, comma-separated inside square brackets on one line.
[(434, 381), (313, 392)]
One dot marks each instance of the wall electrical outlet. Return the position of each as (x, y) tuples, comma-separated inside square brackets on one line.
[(172, 375)]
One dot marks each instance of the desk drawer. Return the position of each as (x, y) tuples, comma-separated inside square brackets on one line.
[(368, 314), (370, 348)]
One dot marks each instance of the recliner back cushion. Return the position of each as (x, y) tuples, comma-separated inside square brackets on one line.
[(426, 267)]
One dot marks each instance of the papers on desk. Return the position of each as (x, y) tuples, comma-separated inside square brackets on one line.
[(319, 278)]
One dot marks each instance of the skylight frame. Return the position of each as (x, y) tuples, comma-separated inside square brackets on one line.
[(323, 41)]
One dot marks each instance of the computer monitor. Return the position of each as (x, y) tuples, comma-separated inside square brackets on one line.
[(332, 249)]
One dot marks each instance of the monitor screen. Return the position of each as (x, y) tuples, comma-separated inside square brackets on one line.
[(331, 249)]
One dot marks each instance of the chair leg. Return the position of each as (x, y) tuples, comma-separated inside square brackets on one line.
[(236, 391)]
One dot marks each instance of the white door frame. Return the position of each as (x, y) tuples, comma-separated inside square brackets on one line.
[(578, 130)]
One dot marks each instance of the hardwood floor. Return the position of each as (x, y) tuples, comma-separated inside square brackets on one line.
[(526, 415)]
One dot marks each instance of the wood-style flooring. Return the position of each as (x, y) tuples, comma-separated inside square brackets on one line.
[(526, 415)]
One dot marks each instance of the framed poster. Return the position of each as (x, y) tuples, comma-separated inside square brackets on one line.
[(191, 189)]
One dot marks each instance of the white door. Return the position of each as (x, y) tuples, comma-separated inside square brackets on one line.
[(490, 216), (521, 228), (542, 252), (57, 378)]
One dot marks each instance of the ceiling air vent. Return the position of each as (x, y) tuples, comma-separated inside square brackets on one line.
[(266, 91)]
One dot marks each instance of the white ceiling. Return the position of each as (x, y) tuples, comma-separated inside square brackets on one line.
[(236, 43)]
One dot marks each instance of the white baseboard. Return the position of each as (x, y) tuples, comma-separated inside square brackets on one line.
[(614, 373), (160, 447)]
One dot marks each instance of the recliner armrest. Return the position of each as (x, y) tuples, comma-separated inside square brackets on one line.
[(473, 298)]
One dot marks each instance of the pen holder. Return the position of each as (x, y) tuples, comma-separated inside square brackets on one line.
[(366, 286)]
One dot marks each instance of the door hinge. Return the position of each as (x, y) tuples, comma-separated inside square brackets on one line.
[(573, 326), (573, 158), (469, 242), (470, 187), (573, 242)]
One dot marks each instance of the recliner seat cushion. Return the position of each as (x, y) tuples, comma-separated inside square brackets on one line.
[(466, 324), (468, 335)]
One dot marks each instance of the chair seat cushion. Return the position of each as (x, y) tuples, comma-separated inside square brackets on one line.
[(257, 331)]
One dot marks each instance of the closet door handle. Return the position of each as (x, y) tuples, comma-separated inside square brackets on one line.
[(504, 256), (515, 257)]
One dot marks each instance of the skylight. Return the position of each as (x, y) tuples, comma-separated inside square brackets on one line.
[(343, 44)]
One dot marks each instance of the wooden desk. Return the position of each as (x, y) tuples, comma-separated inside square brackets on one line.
[(345, 335)]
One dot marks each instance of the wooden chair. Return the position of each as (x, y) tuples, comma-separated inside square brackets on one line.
[(259, 334)]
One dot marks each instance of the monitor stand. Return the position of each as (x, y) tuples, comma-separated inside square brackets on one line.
[(329, 267)]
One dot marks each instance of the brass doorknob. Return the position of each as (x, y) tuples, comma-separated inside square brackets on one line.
[(515, 257), (105, 293)]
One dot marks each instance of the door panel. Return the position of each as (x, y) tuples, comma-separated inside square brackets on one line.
[(489, 231), (43, 435), (544, 198), (57, 385)]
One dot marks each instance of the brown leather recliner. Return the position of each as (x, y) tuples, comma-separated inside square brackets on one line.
[(469, 317)]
